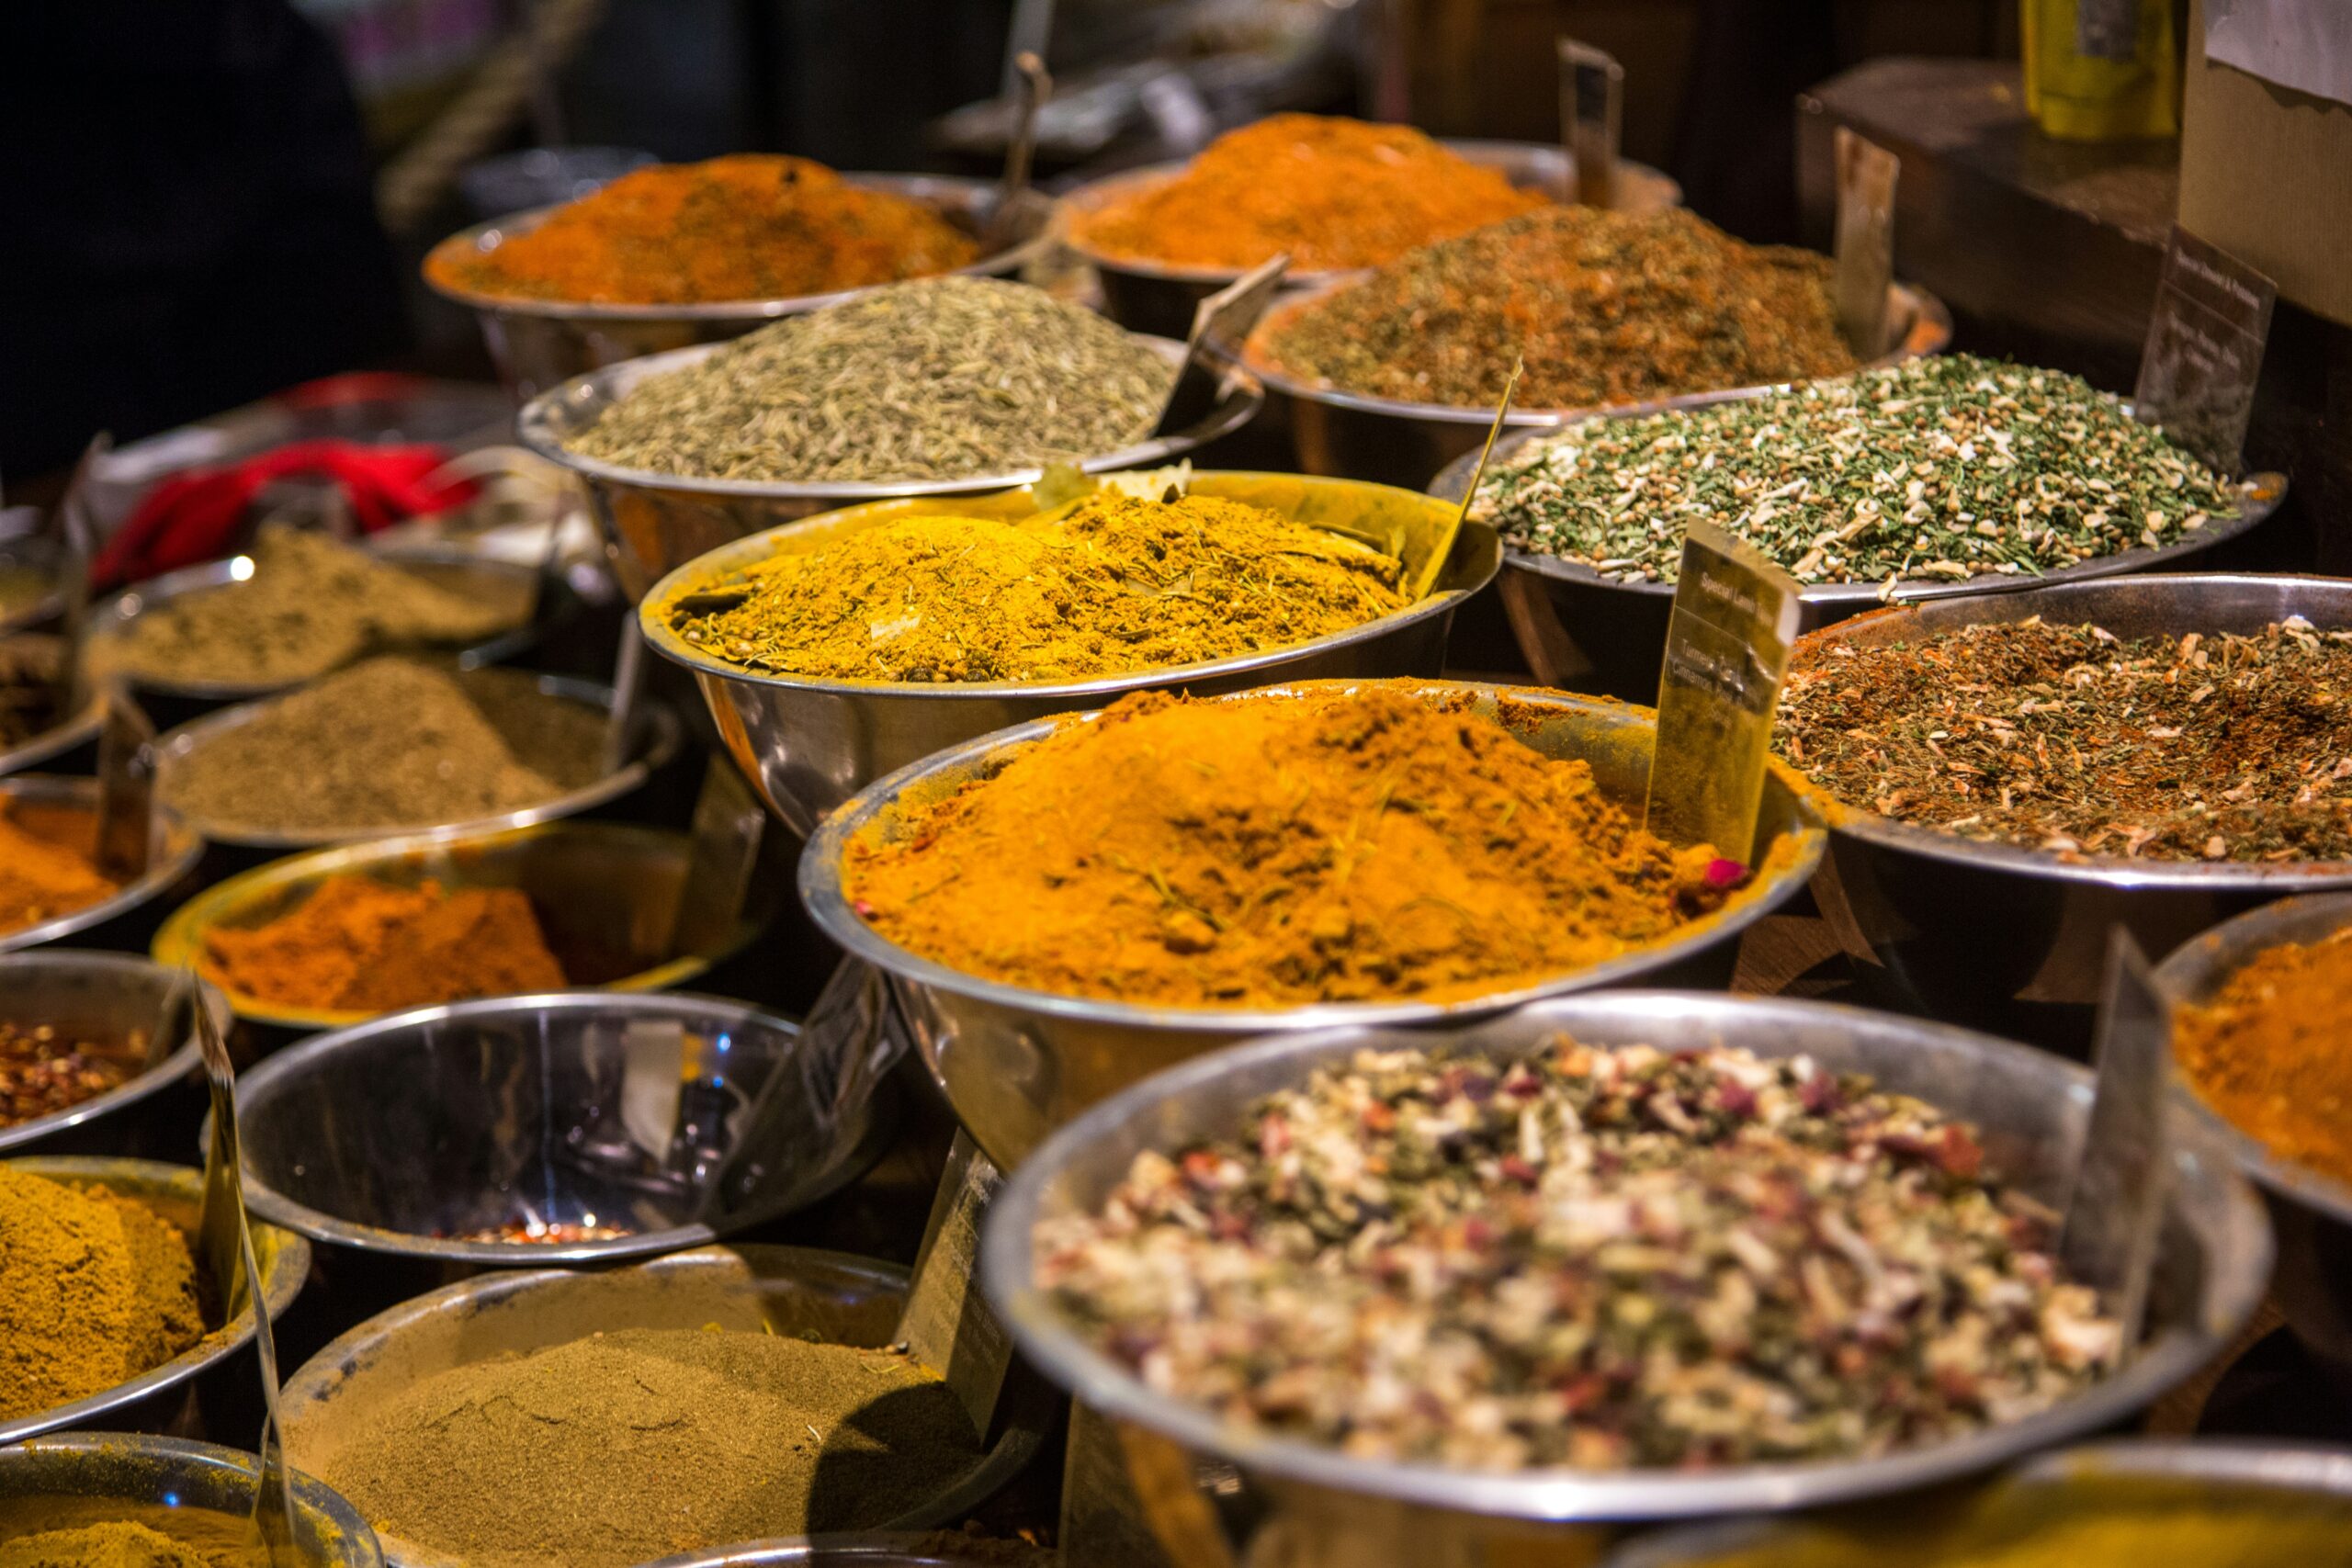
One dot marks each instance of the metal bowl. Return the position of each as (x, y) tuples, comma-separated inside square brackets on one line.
[(1565, 613), (569, 1108), (1150, 297), (1015, 1064), (656, 741), (538, 343), (605, 893), (654, 523), (104, 998), (2031, 1110), (463, 571), (890, 1549), (812, 744), (176, 1193), (787, 1290), (2015, 940), (37, 556), (1407, 444), (174, 1473), (127, 916), (80, 730)]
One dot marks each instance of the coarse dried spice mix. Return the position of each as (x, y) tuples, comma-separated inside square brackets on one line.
[(1943, 468), (1593, 1258), (2069, 739)]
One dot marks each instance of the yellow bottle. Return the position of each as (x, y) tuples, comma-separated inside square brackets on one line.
[(2101, 69)]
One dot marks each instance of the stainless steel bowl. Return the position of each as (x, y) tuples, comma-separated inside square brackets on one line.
[(606, 895), (103, 997), (1565, 613), (176, 1193), (175, 850), (1149, 297), (81, 729), (654, 524), (2031, 1108), (458, 570), (398, 1135), (538, 343), (656, 741), (175, 1474), (1016, 1064), (2015, 940), (811, 744), (1409, 443), (785, 1290), (891, 1549)]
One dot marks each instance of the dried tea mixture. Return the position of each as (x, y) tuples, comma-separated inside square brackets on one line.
[(2069, 739), (1593, 1257)]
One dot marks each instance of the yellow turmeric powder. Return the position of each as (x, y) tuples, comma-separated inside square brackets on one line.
[(1335, 845)]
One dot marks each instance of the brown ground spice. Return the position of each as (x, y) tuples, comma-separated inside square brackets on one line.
[(2268, 1053)]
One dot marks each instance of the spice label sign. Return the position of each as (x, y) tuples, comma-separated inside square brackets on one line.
[(1592, 93), (2121, 1183), (1866, 173), (1221, 323), (1727, 647), (2204, 349)]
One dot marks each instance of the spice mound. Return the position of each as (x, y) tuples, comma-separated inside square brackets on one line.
[(390, 743), (946, 379), (313, 604), (118, 1544), (641, 1443), (1330, 193), (1948, 466), (1603, 306), (28, 668), (2068, 740), (748, 227), (94, 1290), (356, 944), (48, 862), (1339, 845), (1115, 585), (1598, 1259), (2267, 1052), (45, 1070)]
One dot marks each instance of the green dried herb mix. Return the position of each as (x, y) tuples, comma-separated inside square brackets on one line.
[(1945, 468)]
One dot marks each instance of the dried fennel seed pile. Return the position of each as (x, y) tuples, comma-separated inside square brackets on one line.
[(1947, 468), (1588, 1256), (942, 380), (2069, 739)]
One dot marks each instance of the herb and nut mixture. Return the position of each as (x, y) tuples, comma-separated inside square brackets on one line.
[(1594, 1258), (1946, 467), (2069, 739)]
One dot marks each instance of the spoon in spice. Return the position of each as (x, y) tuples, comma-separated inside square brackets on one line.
[(1442, 546), (1013, 191)]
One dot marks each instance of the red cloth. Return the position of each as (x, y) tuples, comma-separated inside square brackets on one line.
[(192, 516)]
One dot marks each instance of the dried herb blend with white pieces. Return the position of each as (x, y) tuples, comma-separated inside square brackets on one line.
[(2069, 739), (1591, 1258), (1941, 468), (948, 378)]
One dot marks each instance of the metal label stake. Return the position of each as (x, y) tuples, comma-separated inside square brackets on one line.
[(729, 824), (126, 787), (1220, 323), (948, 1324), (629, 691), (77, 538), (2116, 1210), (1442, 548), (1866, 175), (2203, 355), (1035, 87), (1592, 95)]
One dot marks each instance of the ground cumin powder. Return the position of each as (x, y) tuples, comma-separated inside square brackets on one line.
[(1342, 845), (359, 945), (94, 1290)]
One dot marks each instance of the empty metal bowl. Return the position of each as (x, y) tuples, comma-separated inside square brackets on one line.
[(1015, 1064), (130, 915), (538, 343), (655, 523), (105, 999), (793, 1290), (2029, 1107), (401, 1136), (156, 1397), (169, 1475)]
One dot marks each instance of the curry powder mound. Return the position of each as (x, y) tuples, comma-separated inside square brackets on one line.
[(116, 1544), (2267, 1052), (1336, 846)]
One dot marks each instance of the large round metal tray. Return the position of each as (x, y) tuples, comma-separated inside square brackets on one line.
[(1015, 1064), (812, 744), (175, 848), (2031, 1110), (1595, 633), (2015, 940), (104, 998), (1152, 297), (657, 523), (783, 1290), (538, 343)]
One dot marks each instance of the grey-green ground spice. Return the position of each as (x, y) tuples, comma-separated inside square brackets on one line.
[(622, 1448), (941, 379), (391, 743), (1944, 469)]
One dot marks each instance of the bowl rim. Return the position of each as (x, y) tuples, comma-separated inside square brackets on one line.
[(59, 738), (821, 894), (182, 846), (178, 1066)]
